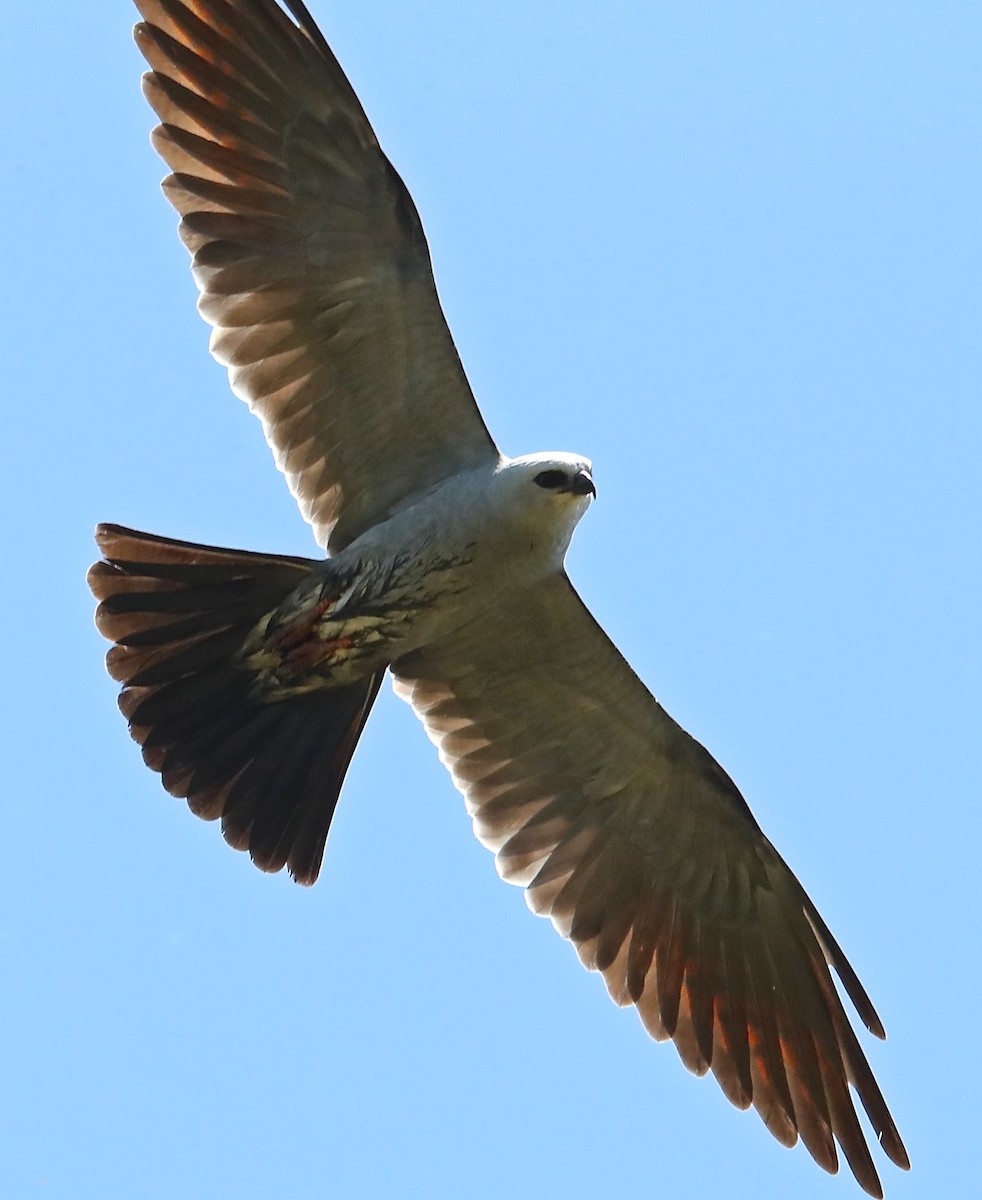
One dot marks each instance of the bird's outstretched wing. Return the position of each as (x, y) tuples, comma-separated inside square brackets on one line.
[(637, 844), (310, 259)]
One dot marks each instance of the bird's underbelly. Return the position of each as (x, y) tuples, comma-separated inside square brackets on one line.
[(349, 622)]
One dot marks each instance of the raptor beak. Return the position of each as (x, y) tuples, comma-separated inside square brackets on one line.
[(583, 484)]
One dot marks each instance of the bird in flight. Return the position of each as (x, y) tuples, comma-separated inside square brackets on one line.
[(247, 678)]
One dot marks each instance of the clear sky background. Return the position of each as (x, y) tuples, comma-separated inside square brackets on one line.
[(731, 252)]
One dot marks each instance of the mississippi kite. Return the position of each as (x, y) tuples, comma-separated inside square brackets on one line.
[(247, 679)]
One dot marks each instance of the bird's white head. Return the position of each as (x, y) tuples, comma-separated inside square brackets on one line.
[(543, 498)]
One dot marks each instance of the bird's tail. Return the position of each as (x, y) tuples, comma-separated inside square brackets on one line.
[(272, 769)]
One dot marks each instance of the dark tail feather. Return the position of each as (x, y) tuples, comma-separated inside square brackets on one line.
[(271, 769)]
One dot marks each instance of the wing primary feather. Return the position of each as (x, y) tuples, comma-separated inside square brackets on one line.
[(731, 1015), (239, 98), (190, 41), (309, 27), (685, 1039), (846, 1128), (228, 198), (860, 1075), (187, 152), (850, 980), (176, 104), (796, 1018), (702, 984), (771, 1094), (670, 961), (644, 939)]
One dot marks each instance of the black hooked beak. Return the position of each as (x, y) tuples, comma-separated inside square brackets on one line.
[(583, 484)]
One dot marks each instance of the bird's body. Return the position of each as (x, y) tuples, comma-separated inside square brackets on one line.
[(477, 540), (247, 678)]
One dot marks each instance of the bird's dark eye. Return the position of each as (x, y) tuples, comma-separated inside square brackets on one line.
[(552, 479)]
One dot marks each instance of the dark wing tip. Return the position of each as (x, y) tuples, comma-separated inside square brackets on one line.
[(309, 26)]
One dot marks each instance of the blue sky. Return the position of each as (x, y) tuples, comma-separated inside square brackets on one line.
[(730, 252)]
